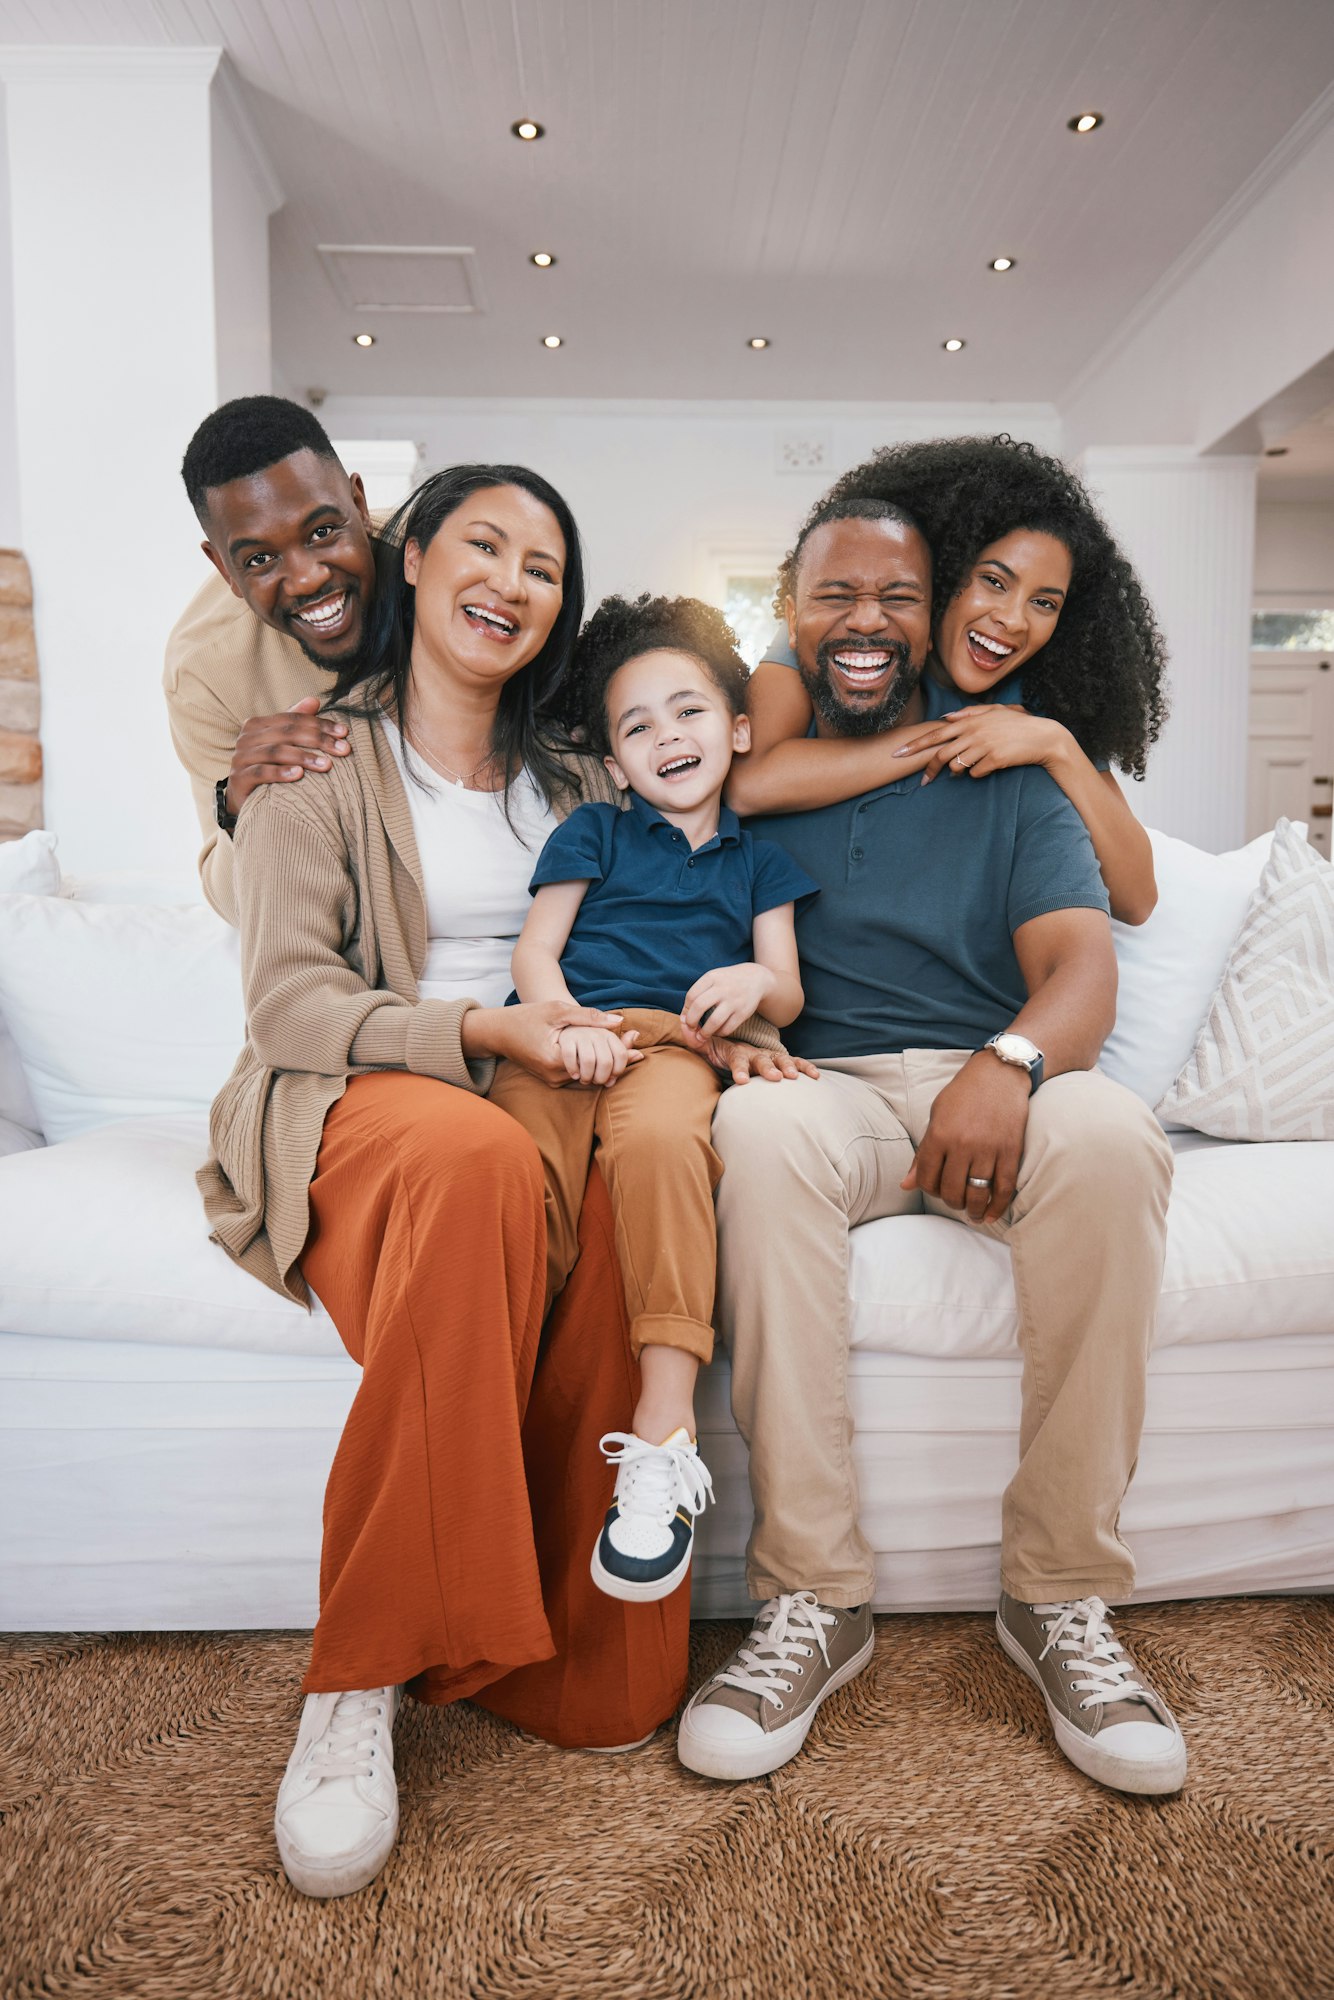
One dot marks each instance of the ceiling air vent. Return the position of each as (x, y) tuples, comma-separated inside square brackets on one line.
[(403, 277)]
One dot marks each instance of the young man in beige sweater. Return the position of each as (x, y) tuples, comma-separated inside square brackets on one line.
[(255, 651)]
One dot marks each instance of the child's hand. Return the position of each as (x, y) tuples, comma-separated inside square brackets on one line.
[(728, 995), (597, 1055), (975, 741)]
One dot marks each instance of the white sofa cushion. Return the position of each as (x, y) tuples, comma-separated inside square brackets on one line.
[(1250, 1255), (1263, 1067), (104, 1238), (1170, 967), (28, 867), (118, 1010)]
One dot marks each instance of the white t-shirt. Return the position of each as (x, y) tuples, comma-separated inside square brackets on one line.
[(476, 868)]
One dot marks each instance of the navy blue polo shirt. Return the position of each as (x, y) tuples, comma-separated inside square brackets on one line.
[(657, 915), (910, 943)]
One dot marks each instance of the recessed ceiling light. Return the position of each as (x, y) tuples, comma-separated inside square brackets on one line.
[(953, 345), (758, 341), (364, 339), (1276, 451), (543, 259), (1087, 121), (1002, 263), (526, 128), (551, 340)]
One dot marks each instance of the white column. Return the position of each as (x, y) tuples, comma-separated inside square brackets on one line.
[(119, 214), (1187, 524)]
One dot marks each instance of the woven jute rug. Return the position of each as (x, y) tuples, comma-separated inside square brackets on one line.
[(928, 1842)]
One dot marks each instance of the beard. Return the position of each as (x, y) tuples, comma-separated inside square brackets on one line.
[(869, 720)]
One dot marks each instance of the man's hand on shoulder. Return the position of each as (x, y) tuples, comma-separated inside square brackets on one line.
[(976, 1133), (278, 749)]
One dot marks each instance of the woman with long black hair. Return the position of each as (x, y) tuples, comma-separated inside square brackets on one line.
[(357, 1156), (1045, 651)]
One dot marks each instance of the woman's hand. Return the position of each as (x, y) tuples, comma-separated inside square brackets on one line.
[(742, 1060), (729, 995), (975, 741), (531, 1035), (597, 1055)]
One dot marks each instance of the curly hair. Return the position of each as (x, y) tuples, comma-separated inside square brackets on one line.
[(1102, 672), (619, 631)]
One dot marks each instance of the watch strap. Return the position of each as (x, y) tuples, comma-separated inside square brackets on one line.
[(226, 820)]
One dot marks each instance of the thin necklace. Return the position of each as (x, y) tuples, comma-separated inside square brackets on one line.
[(433, 757)]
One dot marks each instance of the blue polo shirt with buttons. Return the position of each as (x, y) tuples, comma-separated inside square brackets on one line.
[(658, 915), (910, 943)]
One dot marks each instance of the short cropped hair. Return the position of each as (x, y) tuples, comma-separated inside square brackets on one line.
[(620, 631), (244, 437), (836, 507)]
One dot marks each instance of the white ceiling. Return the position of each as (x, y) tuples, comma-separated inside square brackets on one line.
[(834, 174)]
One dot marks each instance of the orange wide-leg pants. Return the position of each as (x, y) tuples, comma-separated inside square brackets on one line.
[(468, 1490)]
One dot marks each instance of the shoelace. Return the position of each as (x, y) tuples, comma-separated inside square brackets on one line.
[(345, 1749), (658, 1478), (1111, 1671), (782, 1634)]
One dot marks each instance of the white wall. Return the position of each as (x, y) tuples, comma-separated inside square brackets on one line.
[(244, 196), (1294, 554), (10, 520), (657, 488), (1188, 525), (125, 195), (1247, 311), (114, 352)]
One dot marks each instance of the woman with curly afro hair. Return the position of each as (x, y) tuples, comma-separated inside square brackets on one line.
[(1027, 581)]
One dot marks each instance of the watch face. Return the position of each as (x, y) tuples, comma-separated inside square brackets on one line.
[(1015, 1049)]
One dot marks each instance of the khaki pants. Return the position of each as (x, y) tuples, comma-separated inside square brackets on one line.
[(1086, 1230), (651, 1132)]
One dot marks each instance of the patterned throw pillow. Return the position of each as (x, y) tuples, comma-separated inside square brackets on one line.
[(1263, 1067)]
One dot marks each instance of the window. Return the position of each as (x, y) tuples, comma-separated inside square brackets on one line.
[(1293, 631), (748, 605)]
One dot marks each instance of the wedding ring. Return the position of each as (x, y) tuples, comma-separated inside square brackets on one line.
[(973, 1181), (959, 761)]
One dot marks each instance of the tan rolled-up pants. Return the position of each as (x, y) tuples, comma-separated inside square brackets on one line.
[(650, 1131), (804, 1162)]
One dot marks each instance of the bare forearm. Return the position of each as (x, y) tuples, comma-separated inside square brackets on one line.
[(1070, 1015), (537, 974), (784, 1000), (1119, 841), (806, 772)]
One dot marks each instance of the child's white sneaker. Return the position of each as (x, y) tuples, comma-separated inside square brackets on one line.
[(337, 1814), (647, 1538)]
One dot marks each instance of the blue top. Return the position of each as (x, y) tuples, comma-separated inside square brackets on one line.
[(910, 943), (657, 916)]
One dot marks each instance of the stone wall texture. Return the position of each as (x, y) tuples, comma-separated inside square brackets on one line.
[(20, 702)]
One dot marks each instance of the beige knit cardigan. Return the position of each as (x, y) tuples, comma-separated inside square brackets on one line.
[(332, 915)]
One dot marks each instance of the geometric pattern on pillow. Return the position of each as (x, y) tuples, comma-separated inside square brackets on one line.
[(1263, 1066)]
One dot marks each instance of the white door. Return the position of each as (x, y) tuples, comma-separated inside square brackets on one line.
[(1291, 754)]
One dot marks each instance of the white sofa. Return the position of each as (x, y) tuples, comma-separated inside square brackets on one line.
[(166, 1423)]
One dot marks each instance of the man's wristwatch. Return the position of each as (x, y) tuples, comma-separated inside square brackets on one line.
[(226, 820), (1020, 1053)]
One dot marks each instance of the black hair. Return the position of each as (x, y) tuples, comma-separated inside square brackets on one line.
[(244, 437), (620, 630), (837, 506), (1103, 670), (525, 735)]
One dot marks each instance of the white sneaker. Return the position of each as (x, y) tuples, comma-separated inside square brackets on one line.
[(337, 1814), (647, 1538)]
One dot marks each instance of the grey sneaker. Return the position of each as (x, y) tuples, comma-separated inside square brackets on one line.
[(1108, 1721), (756, 1711)]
